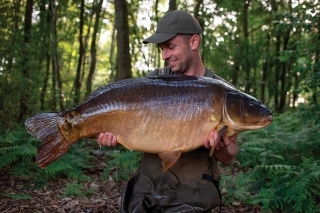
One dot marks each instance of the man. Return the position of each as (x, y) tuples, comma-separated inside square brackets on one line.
[(191, 184)]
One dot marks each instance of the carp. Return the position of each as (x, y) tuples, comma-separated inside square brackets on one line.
[(164, 115)]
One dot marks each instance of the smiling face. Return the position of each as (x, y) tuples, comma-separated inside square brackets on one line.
[(179, 52)]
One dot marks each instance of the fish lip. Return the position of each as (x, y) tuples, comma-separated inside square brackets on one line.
[(267, 120)]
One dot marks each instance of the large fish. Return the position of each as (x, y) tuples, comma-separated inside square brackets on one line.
[(165, 115)]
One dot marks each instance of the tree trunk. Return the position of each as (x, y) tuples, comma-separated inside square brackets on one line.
[(276, 61), (45, 21), (56, 78), (237, 59), (316, 68), (200, 20), (246, 64), (93, 49), (276, 74), (25, 60), (284, 77), (265, 71), (123, 47), (172, 5), (113, 65), (77, 80), (85, 41)]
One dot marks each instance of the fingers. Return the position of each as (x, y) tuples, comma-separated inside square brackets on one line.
[(213, 138), (212, 141), (107, 139), (206, 143), (218, 144)]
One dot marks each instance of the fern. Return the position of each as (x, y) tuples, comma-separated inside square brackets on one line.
[(76, 189), (285, 163), (123, 164), (7, 159), (72, 163), (18, 151), (235, 188), (16, 147), (19, 196)]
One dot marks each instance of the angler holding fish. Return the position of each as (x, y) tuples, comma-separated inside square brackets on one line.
[(192, 183), (183, 117)]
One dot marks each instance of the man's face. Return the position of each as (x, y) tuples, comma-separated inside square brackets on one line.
[(177, 53)]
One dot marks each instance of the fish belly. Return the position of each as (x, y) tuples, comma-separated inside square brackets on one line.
[(154, 129)]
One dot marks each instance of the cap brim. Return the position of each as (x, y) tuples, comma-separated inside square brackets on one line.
[(158, 38)]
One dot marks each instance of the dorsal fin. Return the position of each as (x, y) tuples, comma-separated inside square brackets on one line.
[(174, 77), (96, 92), (107, 87)]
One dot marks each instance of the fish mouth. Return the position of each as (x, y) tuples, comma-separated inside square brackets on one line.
[(268, 119)]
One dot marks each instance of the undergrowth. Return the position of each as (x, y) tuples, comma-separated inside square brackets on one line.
[(122, 165), (78, 190), (280, 165), (18, 151)]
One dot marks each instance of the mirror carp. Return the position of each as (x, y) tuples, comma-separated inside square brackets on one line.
[(165, 115)]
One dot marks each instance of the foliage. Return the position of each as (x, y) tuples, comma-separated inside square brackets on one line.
[(77, 189), (282, 164), (123, 164), (19, 196), (18, 150), (235, 188)]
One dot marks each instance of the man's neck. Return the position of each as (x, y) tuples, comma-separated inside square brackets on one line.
[(196, 71)]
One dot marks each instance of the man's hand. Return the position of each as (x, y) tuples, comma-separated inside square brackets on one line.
[(225, 149), (107, 139)]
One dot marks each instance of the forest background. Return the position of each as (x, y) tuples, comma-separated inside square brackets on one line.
[(54, 53)]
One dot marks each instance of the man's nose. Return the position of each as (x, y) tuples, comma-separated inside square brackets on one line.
[(165, 54)]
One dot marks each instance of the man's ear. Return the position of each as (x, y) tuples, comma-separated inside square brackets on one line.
[(195, 42)]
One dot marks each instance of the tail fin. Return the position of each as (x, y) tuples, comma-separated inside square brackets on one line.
[(44, 127)]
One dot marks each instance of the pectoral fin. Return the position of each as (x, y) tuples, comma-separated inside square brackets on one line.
[(220, 134), (169, 158)]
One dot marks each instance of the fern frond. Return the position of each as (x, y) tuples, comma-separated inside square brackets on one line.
[(57, 166), (8, 149), (7, 159), (24, 170), (27, 149), (125, 163)]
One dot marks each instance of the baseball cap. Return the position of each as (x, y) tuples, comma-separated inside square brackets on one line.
[(173, 23)]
